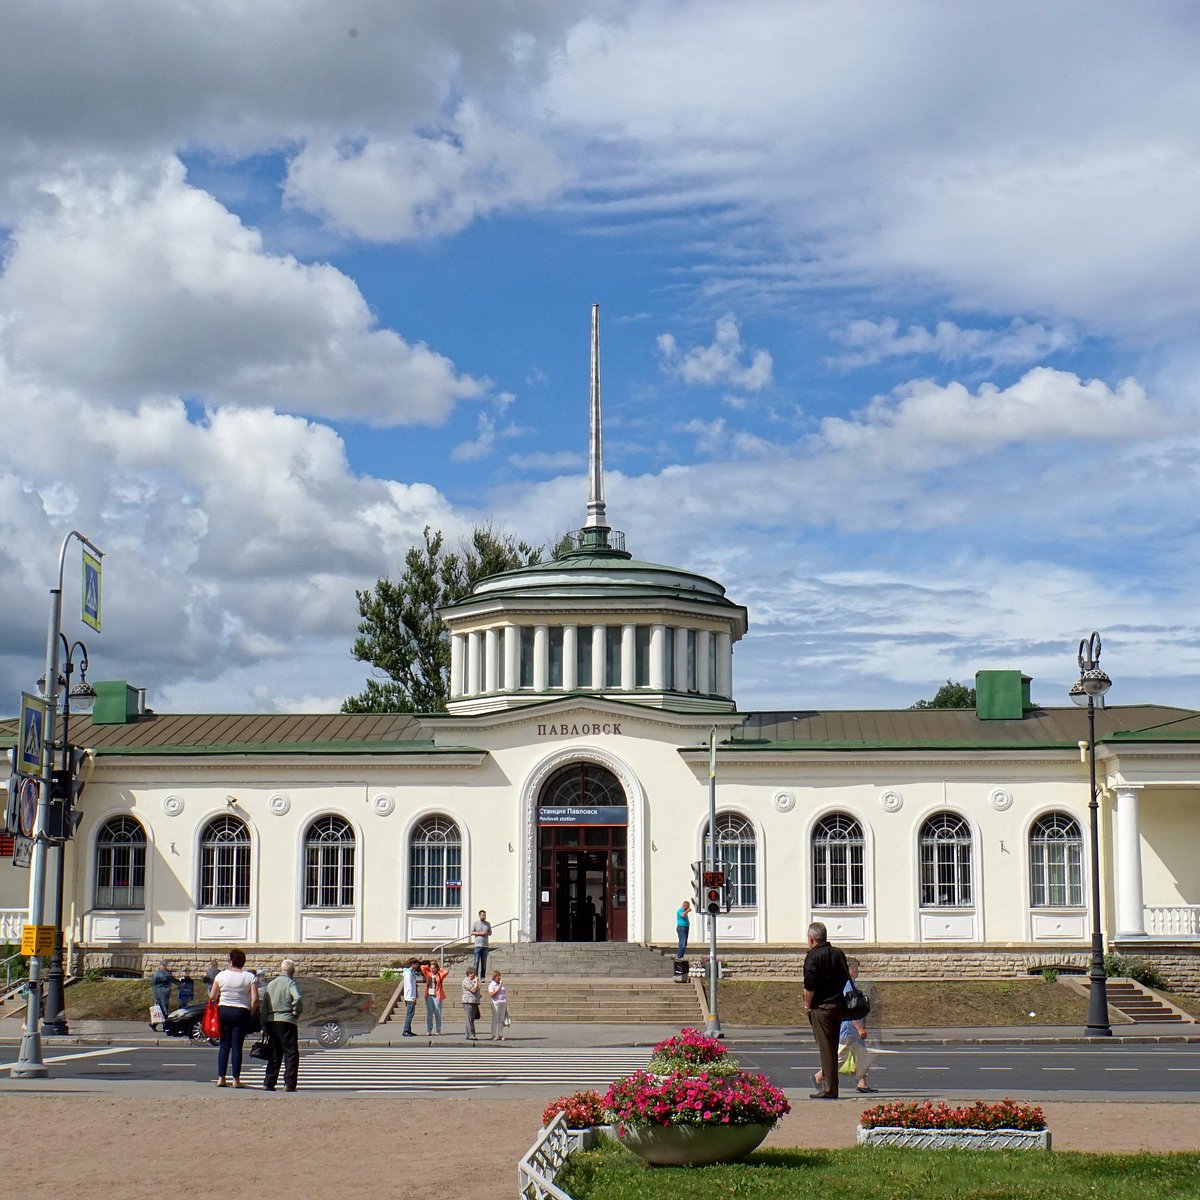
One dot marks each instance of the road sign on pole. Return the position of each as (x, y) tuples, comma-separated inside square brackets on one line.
[(91, 590), (33, 727)]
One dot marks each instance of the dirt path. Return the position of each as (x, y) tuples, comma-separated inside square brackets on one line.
[(280, 1146)]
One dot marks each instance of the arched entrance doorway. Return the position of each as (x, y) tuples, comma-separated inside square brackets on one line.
[(582, 826)]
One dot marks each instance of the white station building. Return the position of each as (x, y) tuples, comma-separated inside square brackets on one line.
[(566, 791)]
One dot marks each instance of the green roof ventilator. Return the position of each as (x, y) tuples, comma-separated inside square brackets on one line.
[(1001, 695)]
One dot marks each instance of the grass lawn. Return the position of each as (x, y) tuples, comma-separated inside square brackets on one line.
[(868, 1173)]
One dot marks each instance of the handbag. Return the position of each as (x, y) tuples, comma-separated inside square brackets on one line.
[(856, 1004), (261, 1048), (475, 1012), (507, 1020), (210, 1023)]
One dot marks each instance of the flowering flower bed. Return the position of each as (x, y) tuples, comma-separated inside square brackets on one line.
[(689, 1051), (583, 1109), (645, 1099), (1007, 1114)]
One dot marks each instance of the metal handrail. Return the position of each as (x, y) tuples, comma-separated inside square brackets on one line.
[(8, 969), (439, 949), (537, 1171)]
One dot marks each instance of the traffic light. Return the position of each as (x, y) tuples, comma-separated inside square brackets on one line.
[(62, 818), (714, 892), (697, 886)]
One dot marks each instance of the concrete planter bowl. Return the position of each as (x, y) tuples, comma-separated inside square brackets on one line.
[(955, 1139), (692, 1145)]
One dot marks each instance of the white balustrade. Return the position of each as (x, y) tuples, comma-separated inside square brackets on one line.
[(1173, 920)]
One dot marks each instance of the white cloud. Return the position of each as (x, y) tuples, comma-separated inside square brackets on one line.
[(137, 284), (1022, 342), (725, 362), (548, 461)]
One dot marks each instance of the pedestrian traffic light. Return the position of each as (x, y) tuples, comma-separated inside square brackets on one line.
[(697, 886), (714, 888), (62, 817)]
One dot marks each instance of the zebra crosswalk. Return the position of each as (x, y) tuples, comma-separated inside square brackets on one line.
[(405, 1069)]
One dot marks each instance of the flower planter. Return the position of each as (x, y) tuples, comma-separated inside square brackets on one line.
[(585, 1139), (691, 1145), (955, 1139)]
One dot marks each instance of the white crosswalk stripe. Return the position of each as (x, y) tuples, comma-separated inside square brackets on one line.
[(403, 1069)]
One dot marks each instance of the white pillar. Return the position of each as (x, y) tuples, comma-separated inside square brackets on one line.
[(628, 657), (474, 663), (704, 683), (491, 660), (456, 664), (658, 667), (570, 657), (724, 665), (541, 657), (599, 655), (512, 658), (1131, 913), (681, 671)]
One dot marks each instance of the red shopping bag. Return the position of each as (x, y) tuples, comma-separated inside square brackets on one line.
[(210, 1023)]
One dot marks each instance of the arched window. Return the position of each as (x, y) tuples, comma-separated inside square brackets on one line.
[(582, 784), (435, 865), (329, 847), (1056, 862), (121, 864), (737, 849), (225, 864), (945, 862), (838, 870)]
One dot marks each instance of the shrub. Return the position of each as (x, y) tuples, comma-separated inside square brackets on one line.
[(389, 974), (908, 1114), (1125, 967), (1049, 974), (644, 1099), (582, 1109)]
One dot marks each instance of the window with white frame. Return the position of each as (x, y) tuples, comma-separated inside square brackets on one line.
[(945, 862), (225, 864), (737, 848), (838, 863), (121, 865), (329, 851), (1056, 862), (435, 865)]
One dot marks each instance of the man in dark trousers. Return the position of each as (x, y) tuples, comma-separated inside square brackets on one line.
[(825, 975)]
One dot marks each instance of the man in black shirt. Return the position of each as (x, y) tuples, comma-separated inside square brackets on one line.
[(825, 977)]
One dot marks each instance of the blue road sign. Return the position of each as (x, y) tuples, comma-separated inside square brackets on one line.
[(91, 591), (33, 724)]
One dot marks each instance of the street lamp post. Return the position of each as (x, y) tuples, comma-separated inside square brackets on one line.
[(83, 696), (1093, 683)]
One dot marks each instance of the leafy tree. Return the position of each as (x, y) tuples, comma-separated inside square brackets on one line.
[(949, 695), (400, 633)]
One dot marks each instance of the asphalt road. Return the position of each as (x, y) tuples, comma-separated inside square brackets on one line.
[(1105, 1072)]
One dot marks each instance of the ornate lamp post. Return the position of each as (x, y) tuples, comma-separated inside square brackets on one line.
[(1093, 683), (82, 696)]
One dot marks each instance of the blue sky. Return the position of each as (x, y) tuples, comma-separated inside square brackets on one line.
[(898, 308)]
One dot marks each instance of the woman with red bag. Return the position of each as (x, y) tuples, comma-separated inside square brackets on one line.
[(235, 992)]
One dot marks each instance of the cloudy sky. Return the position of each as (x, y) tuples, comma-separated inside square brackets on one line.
[(899, 306)]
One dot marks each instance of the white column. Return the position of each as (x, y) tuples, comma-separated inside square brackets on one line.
[(570, 657), (512, 658), (474, 663), (599, 654), (456, 664), (541, 657), (1131, 914), (681, 671), (658, 667), (703, 676), (491, 660), (724, 665), (628, 657)]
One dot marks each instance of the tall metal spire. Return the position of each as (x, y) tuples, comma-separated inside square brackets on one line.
[(595, 505)]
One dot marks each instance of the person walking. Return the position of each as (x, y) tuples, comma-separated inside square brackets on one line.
[(852, 1040), (499, 999), (470, 1001), (160, 988), (409, 994), (825, 977), (683, 927), (235, 992), (282, 1005), (435, 996), (482, 932), (187, 989)]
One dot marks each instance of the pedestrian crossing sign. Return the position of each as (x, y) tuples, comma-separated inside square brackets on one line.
[(91, 590), (33, 724)]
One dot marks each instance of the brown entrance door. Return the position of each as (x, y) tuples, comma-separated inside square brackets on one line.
[(582, 890)]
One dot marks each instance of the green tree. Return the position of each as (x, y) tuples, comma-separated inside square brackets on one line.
[(949, 695), (400, 632)]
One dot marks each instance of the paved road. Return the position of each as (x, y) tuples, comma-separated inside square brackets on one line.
[(1067, 1072)]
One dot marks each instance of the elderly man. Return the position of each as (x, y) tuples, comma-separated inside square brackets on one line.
[(825, 977), (160, 986), (281, 1008)]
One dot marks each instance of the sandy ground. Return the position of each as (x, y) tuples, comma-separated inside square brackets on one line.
[(347, 1147)]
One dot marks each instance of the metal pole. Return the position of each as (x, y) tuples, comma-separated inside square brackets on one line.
[(54, 1018), (1097, 1017), (712, 1023)]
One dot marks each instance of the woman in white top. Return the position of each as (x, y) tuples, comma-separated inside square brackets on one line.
[(235, 992), (499, 1006)]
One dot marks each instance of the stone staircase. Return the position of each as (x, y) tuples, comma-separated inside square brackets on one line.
[(1139, 1003), (580, 982)]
